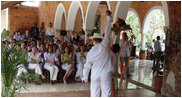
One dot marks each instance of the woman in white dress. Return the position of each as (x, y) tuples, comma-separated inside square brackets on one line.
[(81, 59)]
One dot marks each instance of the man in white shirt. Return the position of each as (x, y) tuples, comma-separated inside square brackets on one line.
[(99, 60), (50, 59), (157, 45), (152, 45), (50, 32), (33, 60), (163, 46), (67, 38)]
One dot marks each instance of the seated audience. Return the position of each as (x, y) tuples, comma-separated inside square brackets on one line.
[(33, 60)]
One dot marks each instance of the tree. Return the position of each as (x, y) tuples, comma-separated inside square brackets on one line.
[(133, 21), (5, 35), (156, 26)]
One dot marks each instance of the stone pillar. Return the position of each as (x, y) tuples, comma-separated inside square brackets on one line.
[(87, 32), (172, 67), (143, 41), (58, 34)]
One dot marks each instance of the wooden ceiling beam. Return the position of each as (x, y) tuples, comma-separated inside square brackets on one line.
[(6, 4)]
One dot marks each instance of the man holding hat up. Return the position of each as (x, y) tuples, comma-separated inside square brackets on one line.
[(99, 60)]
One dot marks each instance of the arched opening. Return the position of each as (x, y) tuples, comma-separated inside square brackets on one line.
[(134, 21), (100, 18), (78, 22), (121, 10), (58, 17), (153, 26), (59, 21), (92, 9), (74, 11)]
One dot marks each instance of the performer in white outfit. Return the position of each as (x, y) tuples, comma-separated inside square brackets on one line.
[(81, 59), (99, 60), (50, 59)]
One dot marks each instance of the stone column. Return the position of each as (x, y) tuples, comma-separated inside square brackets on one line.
[(142, 41), (87, 32)]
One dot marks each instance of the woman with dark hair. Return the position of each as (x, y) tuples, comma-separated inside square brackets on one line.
[(66, 59)]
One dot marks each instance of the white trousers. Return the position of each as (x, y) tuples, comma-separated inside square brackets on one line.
[(21, 69), (53, 69), (102, 83), (37, 68), (79, 72)]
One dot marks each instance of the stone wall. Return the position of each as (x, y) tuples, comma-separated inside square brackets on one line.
[(172, 69), (143, 7), (103, 19), (22, 18), (47, 11)]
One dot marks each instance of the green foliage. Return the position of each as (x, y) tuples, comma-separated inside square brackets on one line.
[(97, 25), (156, 26), (142, 51), (148, 44), (4, 35), (10, 61), (133, 21)]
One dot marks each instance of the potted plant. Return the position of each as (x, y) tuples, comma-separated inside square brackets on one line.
[(10, 59), (142, 54), (158, 70)]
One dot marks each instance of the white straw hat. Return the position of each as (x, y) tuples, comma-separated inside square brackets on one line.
[(96, 35)]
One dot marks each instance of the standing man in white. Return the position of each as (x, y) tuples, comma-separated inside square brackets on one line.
[(99, 60), (50, 32)]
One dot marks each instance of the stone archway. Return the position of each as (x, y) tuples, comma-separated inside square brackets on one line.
[(121, 10), (74, 7), (133, 19), (148, 18), (164, 7), (90, 15), (58, 17), (131, 9)]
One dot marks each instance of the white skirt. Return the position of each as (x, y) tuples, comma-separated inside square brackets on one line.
[(65, 66)]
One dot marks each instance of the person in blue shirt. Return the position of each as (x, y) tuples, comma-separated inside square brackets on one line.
[(15, 35), (18, 36)]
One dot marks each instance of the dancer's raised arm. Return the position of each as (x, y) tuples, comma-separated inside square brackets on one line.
[(106, 39)]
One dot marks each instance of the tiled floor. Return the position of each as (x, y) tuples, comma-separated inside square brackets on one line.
[(59, 87), (139, 69), (129, 93)]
